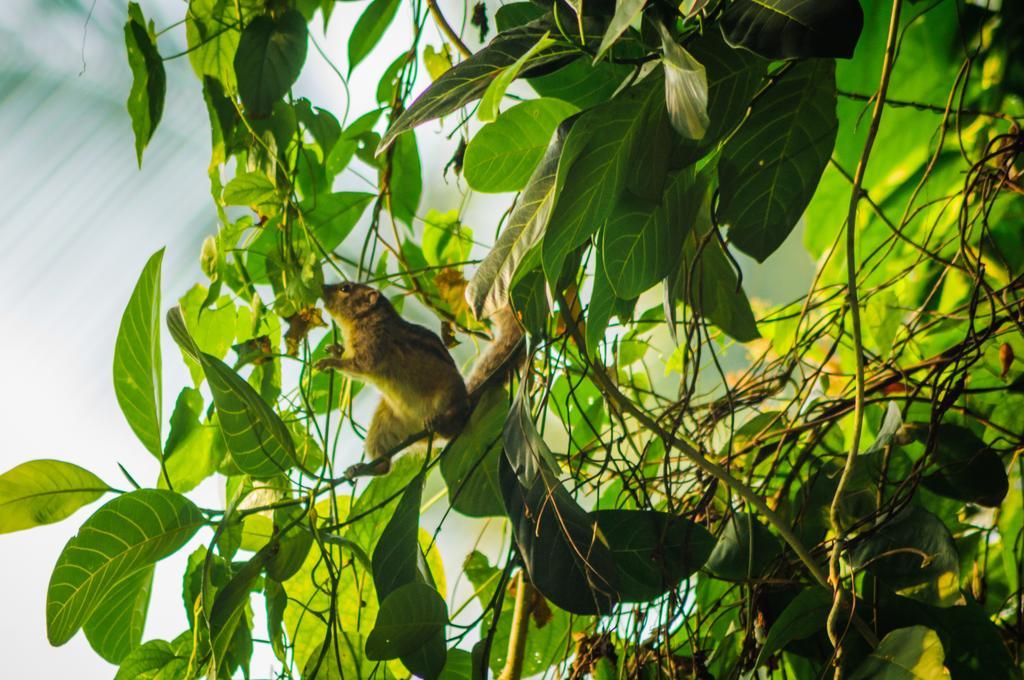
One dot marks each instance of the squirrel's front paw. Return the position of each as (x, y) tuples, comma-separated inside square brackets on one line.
[(335, 350), (328, 364), (374, 468)]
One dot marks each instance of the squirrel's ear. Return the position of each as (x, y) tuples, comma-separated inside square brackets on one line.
[(372, 297)]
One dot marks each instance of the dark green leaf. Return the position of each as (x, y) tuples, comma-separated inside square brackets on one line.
[(786, 29), (470, 464), (745, 550), (592, 170), (559, 542), (268, 61), (468, 80), (257, 439), (770, 168), (802, 617), (503, 154), (396, 555), (369, 29), (119, 540), (293, 544), (914, 554), (149, 82), (653, 551), (45, 491), (137, 369), (228, 606), (406, 179), (968, 469), (409, 617)]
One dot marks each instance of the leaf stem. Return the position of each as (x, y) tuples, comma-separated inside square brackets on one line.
[(835, 580), (447, 29), (517, 638)]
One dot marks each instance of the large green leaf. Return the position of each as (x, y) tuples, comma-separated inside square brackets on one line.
[(157, 660), (149, 82), (228, 607), (914, 554), (259, 442), (488, 291), (468, 80), (396, 555), (121, 539), (503, 154), (369, 29), (409, 618), (802, 617), (332, 217), (194, 449), (913, 653), (115, 628), (251, 189), (487, 110), (745, 550), (653, 551), (786, 29), (769, 169), (968, 469), (470, 464), (45, 491), (137, 382), (270, 56), (560, 543), (593, 168)]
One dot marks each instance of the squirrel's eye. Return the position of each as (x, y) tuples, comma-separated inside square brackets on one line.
[(346, 288)]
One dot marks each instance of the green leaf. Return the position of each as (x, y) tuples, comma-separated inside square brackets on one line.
[(194, 450), (269, 59), (787, 29), (257, 439), (346, 146), (406, 179), (410, 617), (468, 80), (653, 551), (251, 189), (155, 660), (503, 154), (559, 541), (914, 554), (43, 492), (495, 92), (595, 161), (770, 168), (115, 628), (212, 32), (369, 29), (149, 82), (968, 469), (137, 381), (331, 217), (470, 464), (745, 549), (396, 555), (704, 278), (626, 12), (293, 545), (488, 291), (913, 653), (228, 605), (804, 616), (119, 540)]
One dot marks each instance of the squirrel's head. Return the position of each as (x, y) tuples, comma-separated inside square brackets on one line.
[(349, 300)]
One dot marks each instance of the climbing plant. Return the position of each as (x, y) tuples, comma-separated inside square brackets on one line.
[(683, 480)]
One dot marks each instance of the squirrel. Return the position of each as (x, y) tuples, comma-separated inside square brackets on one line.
[(421, 387)]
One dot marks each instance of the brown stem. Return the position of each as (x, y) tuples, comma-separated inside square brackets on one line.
[(447, 29), (520, 623)]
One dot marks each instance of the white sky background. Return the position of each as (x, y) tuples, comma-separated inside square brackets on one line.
[(80, 220)]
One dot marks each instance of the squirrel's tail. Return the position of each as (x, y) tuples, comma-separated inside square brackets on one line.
[(504, 355)]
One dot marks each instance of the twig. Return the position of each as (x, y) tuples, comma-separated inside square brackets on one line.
[(851, 284), (517, 638), (447, 29)]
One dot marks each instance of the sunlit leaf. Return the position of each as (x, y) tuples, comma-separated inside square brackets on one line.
[(119, 540), (115, 628), (137, 370), (491, 99), (913, 653), (45, 491)]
